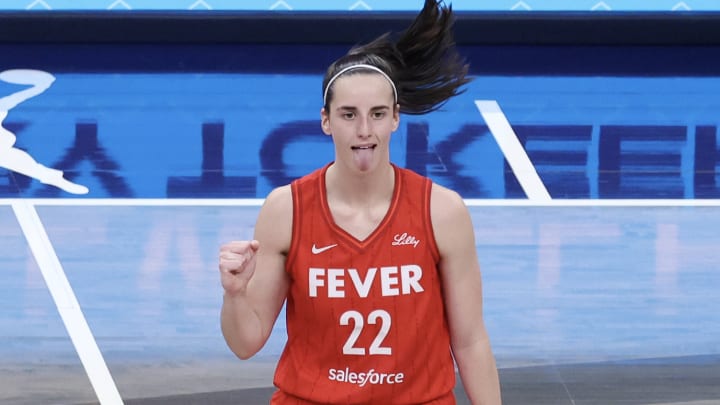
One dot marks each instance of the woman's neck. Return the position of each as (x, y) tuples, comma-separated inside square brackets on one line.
[(351, 188)]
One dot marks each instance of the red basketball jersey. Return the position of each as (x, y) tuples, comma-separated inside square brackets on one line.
[(365, 319)]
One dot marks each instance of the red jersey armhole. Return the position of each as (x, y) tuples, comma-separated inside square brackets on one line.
[(427, 191)]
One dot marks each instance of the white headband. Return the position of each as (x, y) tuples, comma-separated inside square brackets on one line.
[(359, 66)]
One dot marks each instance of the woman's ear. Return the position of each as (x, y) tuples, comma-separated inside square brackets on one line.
[(325, 121)]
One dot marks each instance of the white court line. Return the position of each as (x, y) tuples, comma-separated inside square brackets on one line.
[(66, 303), (257, 202), (513, 150), (142, 202), (593, 203)]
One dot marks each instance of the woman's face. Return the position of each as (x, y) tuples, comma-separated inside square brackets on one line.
[(362, 115)]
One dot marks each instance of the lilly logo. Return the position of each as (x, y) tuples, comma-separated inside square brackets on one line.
[(405, 239), (17, 160)]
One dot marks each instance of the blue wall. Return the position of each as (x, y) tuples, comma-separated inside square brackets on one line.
[(203, 119), (238, 134)]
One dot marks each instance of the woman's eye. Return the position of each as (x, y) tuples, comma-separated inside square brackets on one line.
[(379, 114), (348, 116)]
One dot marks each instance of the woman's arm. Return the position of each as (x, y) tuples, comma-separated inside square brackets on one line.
[(254, 278), (462, 287)]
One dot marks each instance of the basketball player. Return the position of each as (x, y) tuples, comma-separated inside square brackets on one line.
[(377, 264)]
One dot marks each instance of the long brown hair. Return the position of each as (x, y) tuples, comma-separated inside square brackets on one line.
[(422, 61)]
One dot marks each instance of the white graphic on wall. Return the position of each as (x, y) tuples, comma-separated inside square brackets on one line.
[(602, 6), (38, 4), (360, 5), (18, 160), (513, 150), (281, 4), (119, 4), (521, 5), (200, 5)]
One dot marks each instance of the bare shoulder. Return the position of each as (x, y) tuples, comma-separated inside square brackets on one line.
[(450, 220), (446, 204), (274, 224), (279, 200)]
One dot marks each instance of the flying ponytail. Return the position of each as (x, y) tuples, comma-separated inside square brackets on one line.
[(421, 62)]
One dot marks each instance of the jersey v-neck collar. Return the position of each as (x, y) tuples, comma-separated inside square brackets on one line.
[(341, 232)]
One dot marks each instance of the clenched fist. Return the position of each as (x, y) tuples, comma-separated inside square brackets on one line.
[(237, 265)]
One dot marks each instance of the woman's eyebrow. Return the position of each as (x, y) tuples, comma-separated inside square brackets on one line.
[(353, 108)]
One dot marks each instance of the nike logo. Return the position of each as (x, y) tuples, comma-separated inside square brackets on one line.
[(317, 250)]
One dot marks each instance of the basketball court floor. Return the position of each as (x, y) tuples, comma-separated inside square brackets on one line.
[(586, 302)]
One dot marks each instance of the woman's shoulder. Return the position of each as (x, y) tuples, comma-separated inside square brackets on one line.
[(445, 203), (279, 199)]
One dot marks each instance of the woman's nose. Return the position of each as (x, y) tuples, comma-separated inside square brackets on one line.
[(363, 127)]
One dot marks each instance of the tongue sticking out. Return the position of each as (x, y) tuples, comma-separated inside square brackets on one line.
[(363, 156)]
